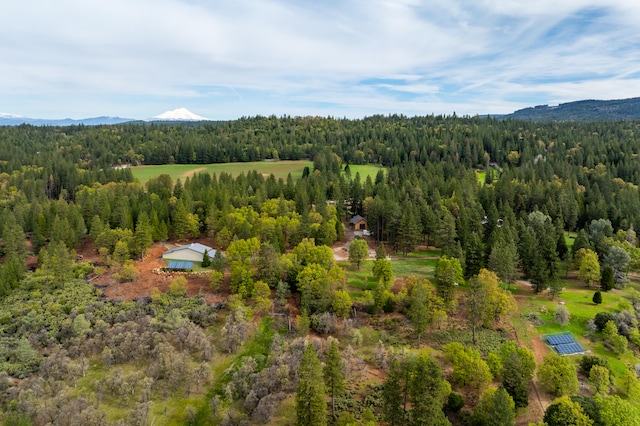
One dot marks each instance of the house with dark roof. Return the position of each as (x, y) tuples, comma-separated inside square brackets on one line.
[(358, 223), (193, 252)]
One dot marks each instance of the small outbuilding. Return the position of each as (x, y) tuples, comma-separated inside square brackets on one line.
[(193, 252), (358, 223)]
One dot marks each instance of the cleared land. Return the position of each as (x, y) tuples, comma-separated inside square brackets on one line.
[(280, 169), (365, 170)]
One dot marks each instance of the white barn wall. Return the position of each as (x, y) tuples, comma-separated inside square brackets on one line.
[(186, 254)]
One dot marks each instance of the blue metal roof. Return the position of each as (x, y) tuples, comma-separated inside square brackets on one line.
[(180, 264)]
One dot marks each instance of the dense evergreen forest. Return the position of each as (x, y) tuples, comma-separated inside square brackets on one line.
[(495, 199)]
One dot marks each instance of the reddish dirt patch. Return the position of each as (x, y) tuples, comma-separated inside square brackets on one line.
[(147, 282)]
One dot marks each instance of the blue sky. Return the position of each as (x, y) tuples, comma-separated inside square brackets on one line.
[(348, 58)]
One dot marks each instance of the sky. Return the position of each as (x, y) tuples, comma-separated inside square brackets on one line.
[(341, 58)]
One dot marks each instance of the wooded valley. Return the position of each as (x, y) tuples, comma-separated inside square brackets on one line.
[(479, 239)]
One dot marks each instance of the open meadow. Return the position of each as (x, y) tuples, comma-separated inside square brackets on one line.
[(280, 169), (365, 170)]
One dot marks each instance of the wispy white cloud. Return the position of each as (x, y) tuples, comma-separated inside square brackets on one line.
[(353, 57)]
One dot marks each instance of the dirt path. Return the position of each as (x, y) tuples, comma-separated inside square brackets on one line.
[(341, 248), (538, 400), (193, 172)]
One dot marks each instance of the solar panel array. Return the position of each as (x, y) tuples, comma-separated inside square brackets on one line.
[(560, 339), (569, 348), (564, 344), (180, 264)]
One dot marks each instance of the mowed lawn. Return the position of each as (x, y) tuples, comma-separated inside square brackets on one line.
[(280, 169)]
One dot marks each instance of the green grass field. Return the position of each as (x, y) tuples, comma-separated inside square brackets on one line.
[(365, 170), (280, 169), (481, 176), (361, 280), (578, 301)]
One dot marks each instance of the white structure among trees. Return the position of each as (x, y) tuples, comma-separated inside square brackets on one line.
[(193, 252)]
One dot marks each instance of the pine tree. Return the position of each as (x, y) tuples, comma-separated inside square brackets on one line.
[(427, 392), (311, 407), (206, 260), (607, 280), (392, 392), (143, 236), (503, 259), (473, 261), (181, 221), (333, 376), (448, 275), (515, 380), (476, 301), (13, 236)]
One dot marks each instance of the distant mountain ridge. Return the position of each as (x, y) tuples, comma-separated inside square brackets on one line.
[(16, 120), (176, 115), (587, 110)]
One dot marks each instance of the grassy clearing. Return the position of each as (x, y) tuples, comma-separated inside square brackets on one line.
[(481, 176), (280, 169), (578, 300), (421, 264), (365, 170), (425, 253), (569, 238), (420, 267)]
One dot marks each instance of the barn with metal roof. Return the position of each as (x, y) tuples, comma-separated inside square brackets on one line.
[(193, 252)]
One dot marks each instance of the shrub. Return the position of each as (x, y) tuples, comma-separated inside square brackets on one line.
[(597, 298), (389, 304), (455, 402), (589, 361), (561, 315), (602, 318), (323, 323)]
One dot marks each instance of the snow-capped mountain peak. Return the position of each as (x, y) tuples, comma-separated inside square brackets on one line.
[(179, 114), (5, 115)]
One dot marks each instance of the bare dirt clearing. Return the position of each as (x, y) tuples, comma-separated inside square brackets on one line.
[(147, 282)]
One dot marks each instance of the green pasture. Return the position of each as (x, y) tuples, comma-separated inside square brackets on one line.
[(365, 170), (580, 306), (578, 301), (280, 169)]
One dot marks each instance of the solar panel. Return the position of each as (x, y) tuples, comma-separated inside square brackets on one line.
[(561, 339), (180, 264), (569, 348)]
